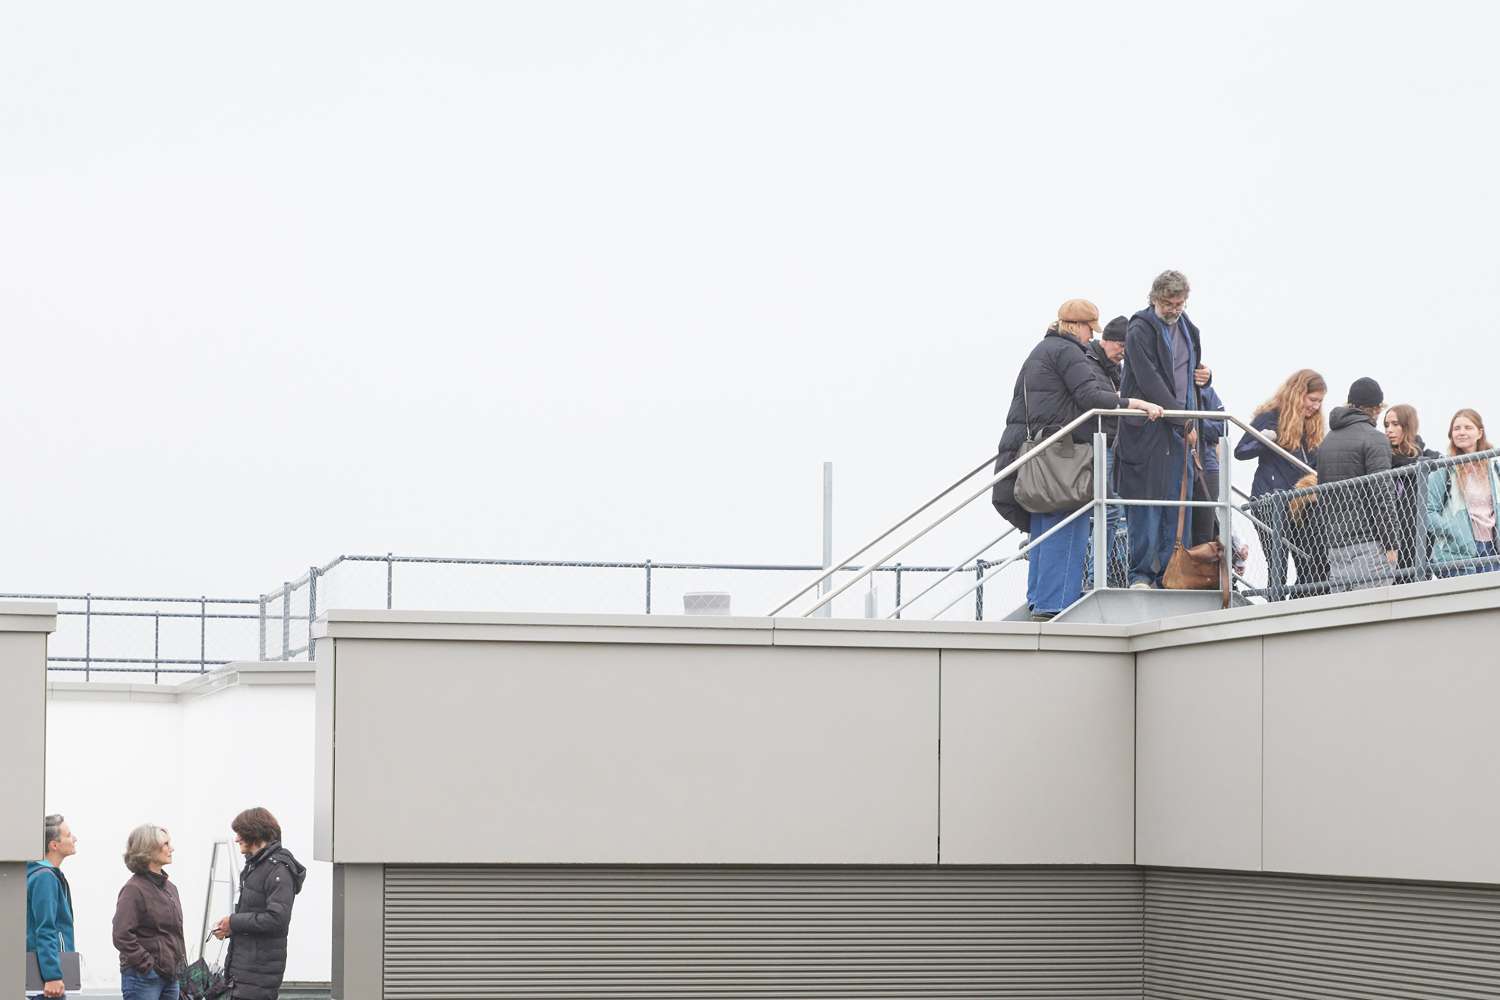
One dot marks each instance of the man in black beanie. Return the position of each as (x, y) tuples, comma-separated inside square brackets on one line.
[(1360, 518)]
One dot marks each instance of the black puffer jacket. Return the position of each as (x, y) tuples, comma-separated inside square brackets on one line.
[(1409, 489), (269, 883), (1112, 373), (1364, 511), (1057, 382)]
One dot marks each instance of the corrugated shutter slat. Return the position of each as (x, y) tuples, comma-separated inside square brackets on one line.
[(495, 932)]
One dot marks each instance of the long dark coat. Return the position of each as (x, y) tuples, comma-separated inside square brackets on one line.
[(1149, 453), (1056, 383)]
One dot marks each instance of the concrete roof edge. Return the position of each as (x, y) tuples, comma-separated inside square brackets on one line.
[(28, 616)]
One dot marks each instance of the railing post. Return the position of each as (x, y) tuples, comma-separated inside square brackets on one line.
[(1226, 511), (286, 620), (648, 586), (202, 633), (390, 573), (1101, 511), (979, 568), (312, 606), (263, 627), (898, 590), (156, 651), (88, 634)]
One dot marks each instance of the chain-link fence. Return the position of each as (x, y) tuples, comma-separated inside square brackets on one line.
[(1430, 517)]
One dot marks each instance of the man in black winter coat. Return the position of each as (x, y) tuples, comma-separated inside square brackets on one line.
[(257, 931), (1359, 520), (1163, 352)]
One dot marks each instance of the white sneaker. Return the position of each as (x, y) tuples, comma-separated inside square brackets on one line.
[(1141, 585)]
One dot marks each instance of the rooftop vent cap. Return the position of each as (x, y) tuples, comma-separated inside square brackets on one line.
[(705, 602)]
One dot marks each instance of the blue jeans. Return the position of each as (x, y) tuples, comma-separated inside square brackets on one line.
[(151, 986), (1054, 572), (1153, 532), (1481, 550)]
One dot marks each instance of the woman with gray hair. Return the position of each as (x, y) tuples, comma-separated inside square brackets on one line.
[(148, 919)]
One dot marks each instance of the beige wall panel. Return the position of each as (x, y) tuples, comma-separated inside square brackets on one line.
[(23, 743), (1038, 757), (323, 778), (582, 753), (1382, 750), (1198, 756)]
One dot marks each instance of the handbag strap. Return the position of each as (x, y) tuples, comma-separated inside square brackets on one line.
[(1187, 468)]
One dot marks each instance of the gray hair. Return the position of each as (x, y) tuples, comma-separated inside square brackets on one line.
[(145, 840), (51, 830), (1169, 285)]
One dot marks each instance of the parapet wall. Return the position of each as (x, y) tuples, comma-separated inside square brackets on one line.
[(1344, 735)]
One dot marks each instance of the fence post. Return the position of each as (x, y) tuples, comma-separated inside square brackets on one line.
[(286, 619), (156, 651), (1279, 556), (312, 606), (648, 586), (898, 590), (1100, 514), (202, 633), (1421, 557), (88, 634), (979, 567), (390, 573), (262, 627)]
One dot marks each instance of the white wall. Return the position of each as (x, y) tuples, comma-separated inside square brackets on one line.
[(118, 758)]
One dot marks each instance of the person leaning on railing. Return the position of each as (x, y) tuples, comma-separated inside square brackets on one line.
[(1293, 419), (1461, 500), (1359, 518), (1408, 487), (1057, 384), (1164, 366)]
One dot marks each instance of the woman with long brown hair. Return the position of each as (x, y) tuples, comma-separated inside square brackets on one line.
[(1462, 499), (1293, 418), (1409, 487)]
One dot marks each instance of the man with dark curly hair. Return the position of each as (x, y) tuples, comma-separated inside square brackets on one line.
[(257, 931)]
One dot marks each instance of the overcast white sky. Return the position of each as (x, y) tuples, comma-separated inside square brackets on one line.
[(610, 280)]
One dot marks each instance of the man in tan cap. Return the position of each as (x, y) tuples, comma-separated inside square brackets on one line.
[(1057, 383)]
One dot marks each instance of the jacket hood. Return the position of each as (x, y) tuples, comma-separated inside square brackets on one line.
[(275, 852), (35, 866), (299, 872), (1347, 416)]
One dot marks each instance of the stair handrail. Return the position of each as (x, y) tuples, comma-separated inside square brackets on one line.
[(826, 574), (1004, 473)]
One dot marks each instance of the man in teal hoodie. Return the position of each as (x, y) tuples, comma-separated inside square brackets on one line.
[(49, 905)]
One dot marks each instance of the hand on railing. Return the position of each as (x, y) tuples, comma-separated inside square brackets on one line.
[(1150, 409)]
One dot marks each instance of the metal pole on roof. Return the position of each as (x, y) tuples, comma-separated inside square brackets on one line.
[(826, 611)]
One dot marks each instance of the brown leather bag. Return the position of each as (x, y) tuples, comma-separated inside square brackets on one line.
[(1200, 567)]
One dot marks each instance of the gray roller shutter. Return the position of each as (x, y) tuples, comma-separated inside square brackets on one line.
[(1251, 936), (761, 932)]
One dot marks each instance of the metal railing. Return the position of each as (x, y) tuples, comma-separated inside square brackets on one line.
[(1099, 503), (184, 635), (193, 634)]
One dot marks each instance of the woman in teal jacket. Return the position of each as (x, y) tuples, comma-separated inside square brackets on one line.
[(1462, 500)]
